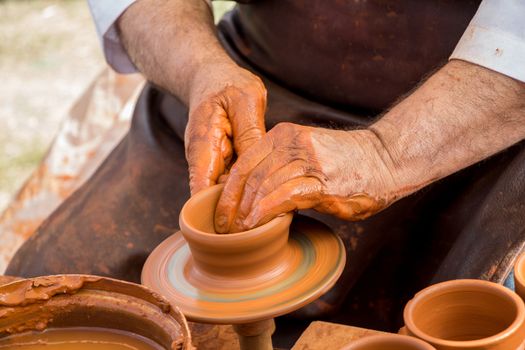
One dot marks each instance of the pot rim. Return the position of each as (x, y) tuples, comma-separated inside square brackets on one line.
[(472, 285), (79, 287), (519, 270), (275, 225), (376, 339)]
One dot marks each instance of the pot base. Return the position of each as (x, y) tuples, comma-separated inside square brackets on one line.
[(314, 261)]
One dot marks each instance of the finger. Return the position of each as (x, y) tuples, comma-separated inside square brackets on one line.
[(247, 117), (205, 165), (299, 193), (223, 178), (208, 146), (231, 195), (265, 178)]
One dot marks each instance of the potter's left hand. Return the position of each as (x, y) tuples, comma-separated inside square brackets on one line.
[(343, 173), (462, 114)]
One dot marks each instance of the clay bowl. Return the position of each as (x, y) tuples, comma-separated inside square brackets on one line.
[(243, 277), (519, 276), (258, 253), (88, 301), (467, 314), (390, 342)]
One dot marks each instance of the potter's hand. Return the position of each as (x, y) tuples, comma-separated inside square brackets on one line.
[(343, 173), (173, 43), (461, 115), (227, 105)]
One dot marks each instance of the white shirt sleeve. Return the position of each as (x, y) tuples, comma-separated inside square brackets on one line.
[(495, 38), (105, 14)]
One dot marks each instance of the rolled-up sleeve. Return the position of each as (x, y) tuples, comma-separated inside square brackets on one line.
[(105, 14), (495, 38)]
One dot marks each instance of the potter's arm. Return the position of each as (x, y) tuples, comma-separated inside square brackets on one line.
[(168, 40), (459, 116), (174, 44)]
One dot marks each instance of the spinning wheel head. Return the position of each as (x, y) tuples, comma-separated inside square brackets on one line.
[(243, 277)]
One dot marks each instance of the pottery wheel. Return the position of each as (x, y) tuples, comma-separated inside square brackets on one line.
[(314, 261)]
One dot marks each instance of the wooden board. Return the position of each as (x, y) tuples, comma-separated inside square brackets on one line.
[(324, 335), (213, 337)]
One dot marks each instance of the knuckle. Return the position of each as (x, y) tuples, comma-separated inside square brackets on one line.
[(251, 93), (292, 133), (262, 95), (283, 127), (260, 86), (232, 90)]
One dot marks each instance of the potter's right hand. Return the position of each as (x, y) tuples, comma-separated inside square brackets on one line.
[(174, 45), (227, 105)]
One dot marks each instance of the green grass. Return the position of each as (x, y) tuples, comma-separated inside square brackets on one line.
[(22, 163), (49, 53)]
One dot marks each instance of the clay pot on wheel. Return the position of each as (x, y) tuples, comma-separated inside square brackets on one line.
[(243, 278), (390, 342), (257, 254), (247, 276), (467, 314), (64, 301)]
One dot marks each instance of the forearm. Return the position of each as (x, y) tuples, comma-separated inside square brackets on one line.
[(463, 114), (169, 40)]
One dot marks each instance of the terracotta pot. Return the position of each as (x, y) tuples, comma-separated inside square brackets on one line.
[(390, 342), (259, 253), (519, 276), (467, 314), (243, 277), (90, 301)]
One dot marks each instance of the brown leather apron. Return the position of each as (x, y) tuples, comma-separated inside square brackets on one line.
[(316, 58), (348, 53)]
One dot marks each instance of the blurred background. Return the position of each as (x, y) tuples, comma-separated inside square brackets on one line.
[(49, 54)]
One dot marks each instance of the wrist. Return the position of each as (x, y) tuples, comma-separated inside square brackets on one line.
[(169, 41), (207, 73), (383, 174), (190, 74), (459, 116)]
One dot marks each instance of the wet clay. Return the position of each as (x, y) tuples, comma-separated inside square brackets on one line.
[(41, 289), (8, 279), (467, 314), (390, 342), (64, 301), (243, 277), (78, 339)]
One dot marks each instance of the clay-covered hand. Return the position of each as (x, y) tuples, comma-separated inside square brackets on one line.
[(343, 173), (227, 105)]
